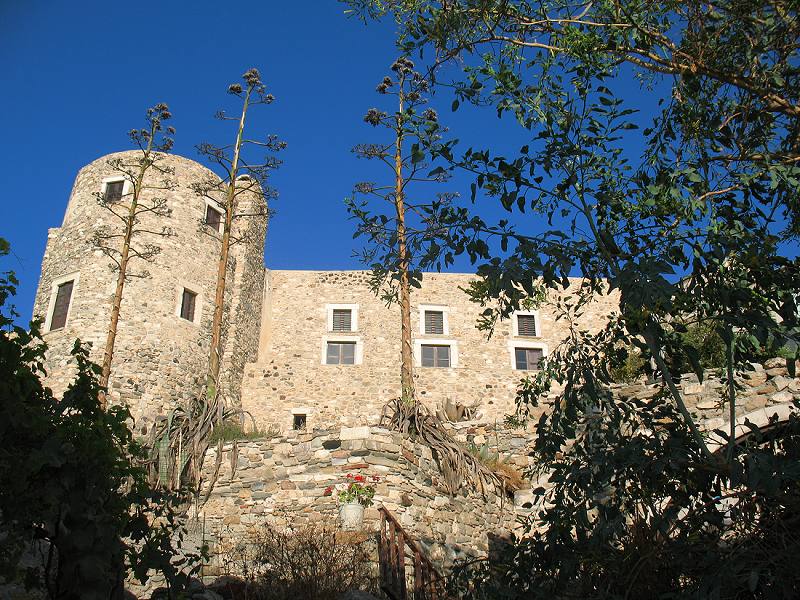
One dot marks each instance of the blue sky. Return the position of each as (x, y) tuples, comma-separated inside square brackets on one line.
[(78, 75)]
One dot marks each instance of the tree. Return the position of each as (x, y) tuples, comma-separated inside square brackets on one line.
[(135, 211), (178, 445), (410, 236), (73, 493), (239, 177), (713, 198), (695, 230)]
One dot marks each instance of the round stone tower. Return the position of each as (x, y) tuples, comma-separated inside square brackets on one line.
[(162, 346)]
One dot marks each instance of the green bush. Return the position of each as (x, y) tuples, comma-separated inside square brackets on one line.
[(71, 480)]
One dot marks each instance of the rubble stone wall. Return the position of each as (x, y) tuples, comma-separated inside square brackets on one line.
[(290, 375), (284, 478), (159, 358)]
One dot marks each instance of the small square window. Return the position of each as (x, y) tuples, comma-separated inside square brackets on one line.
[(299, 422), (188, 302), (113, 191), (528, 359), (526, 325), (213, 218), (435, 356), (341, 353), (342, 319), (58, 319), (434, 322)]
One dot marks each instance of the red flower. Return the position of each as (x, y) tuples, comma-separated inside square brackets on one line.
[(349, 475), (328, 491), (360, 478)]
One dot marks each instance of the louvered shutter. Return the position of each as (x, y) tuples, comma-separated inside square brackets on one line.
[(342, 319), (434, 321), (213, 217), (526, 325), (187, 305), (61, 307), (114, 191)]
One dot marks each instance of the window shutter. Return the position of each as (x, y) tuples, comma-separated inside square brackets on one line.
[(213, 217), (434, 321), (342, 319), (187, 305), (61, 306), (534, 356), (114, 191), (526, 325)]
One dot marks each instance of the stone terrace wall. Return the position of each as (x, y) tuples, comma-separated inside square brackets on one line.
[(762, 387), (284, 479), (290, 373)]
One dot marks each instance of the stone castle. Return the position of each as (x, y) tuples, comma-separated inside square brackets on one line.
[(314, 356), (302, 349)]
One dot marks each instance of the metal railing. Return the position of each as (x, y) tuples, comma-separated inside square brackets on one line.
[(425, 580)]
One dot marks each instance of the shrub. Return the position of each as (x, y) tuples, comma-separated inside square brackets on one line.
[(314, 562)]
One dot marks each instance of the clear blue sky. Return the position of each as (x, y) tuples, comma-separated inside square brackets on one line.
[(78, 75)]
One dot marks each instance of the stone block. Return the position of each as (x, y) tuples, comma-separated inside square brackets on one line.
[(354, 433)]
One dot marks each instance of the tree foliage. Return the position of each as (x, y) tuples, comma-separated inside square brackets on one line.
[(76, 511), (695, 230), (136, 214)]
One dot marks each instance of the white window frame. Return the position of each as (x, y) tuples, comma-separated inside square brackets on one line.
[(526, 313), (342, 339), (418, 343), (445, 310), (514, 344), (353, 308), (213, 205), (198, 303), (51, 305), (126, 186)]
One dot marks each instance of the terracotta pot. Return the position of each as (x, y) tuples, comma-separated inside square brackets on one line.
[(351, 515)]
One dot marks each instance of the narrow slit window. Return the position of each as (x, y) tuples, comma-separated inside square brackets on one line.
[(342, 319), (528, 359), (526, 325), (58, 320), (434, 322), (299, 422), (435, 356), (213, 218), (188, 302), (341, 353), (113, 191)]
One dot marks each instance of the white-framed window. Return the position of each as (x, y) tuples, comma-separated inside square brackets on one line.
[(188, 304), (434, 319), (526, 356), (342, 350), (59, 308), (525, 323), (114, 189), (436, 352), (342, 318), (214, 217)]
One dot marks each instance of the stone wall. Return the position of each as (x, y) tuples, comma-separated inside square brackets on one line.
[(290, 375), (159, 358), (284, 479)]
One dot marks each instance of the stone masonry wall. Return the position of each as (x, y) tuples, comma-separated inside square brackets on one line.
[(290, 375), (284, 478), (159, 358)]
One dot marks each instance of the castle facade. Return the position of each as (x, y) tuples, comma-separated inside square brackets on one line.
[(302, 349)]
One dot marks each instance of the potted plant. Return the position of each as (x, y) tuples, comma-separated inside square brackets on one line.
[(353, 496)]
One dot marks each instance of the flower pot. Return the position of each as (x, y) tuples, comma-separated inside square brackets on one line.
[(351, 515)]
